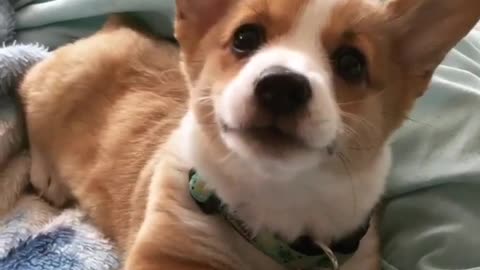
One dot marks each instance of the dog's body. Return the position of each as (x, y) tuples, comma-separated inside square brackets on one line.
[(110, 123)]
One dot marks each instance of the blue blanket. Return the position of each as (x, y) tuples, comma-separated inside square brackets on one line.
[(33, 235)]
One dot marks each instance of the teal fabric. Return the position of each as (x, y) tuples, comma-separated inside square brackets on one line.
[(56, 22), (432, 217)]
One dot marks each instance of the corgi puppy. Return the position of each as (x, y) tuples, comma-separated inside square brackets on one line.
[(261, 143)]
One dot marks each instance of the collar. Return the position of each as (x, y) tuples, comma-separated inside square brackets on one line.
[(303, 254)]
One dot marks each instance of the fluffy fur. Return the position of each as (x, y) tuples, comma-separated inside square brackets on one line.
[(113, 122)]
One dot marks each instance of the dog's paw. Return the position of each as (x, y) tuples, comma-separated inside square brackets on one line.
[(46, 185)]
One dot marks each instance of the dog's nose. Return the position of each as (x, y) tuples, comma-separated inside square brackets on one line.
[(282, 91)]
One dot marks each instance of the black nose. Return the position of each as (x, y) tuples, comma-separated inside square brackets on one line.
[(282, 91)]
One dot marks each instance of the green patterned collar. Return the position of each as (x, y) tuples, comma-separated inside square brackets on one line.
[(301, 255)]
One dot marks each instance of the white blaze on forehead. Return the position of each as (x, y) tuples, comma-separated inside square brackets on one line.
[(313, 19)]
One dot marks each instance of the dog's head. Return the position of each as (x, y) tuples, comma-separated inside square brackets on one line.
[(283, 83)]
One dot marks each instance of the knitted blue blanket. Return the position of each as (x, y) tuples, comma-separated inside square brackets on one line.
[(33, 235)]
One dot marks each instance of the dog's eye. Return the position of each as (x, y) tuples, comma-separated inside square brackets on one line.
[(350, 64), (247, 39)]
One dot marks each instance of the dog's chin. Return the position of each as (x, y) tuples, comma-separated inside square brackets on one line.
[(272, 152)]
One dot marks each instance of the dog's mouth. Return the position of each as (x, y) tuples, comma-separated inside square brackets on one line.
[(273, 149), (268, 136)]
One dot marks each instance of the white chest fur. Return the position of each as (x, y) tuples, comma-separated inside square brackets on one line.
[(326, 202)]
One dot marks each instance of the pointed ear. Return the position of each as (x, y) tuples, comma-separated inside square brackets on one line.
[(425, 31), (195, 17)]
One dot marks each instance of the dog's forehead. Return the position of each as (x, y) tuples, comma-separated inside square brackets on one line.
[(312, 19), (307, 17), (292, 10)]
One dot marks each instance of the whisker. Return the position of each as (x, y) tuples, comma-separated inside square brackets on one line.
[(204, 100), (345, 161), (357, 118), (370, 130), (353, 102), (226, 158), (408, 118), (352, 133)]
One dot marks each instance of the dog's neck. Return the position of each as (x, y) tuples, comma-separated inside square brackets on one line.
[(327, 202)]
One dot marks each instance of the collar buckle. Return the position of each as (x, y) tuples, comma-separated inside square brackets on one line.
[(331, 256)]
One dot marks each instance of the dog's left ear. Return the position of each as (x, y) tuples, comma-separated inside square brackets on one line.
[(424, 31)]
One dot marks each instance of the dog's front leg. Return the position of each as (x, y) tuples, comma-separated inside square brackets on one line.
[(168, 246), (145, 258), (174, 234)]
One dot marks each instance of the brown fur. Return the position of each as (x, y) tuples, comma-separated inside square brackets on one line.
[(129, 95), (102, 114)]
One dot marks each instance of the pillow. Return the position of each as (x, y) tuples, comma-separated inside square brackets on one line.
[(7, 23), (56, 22)]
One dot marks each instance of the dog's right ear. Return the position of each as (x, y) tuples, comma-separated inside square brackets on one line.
[(195, 17), (425, 31)]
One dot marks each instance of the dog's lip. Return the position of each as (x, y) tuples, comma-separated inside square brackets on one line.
[(273, 135), (269, 134)]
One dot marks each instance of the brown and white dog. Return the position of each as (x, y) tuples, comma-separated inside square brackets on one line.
[(285, 108)]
